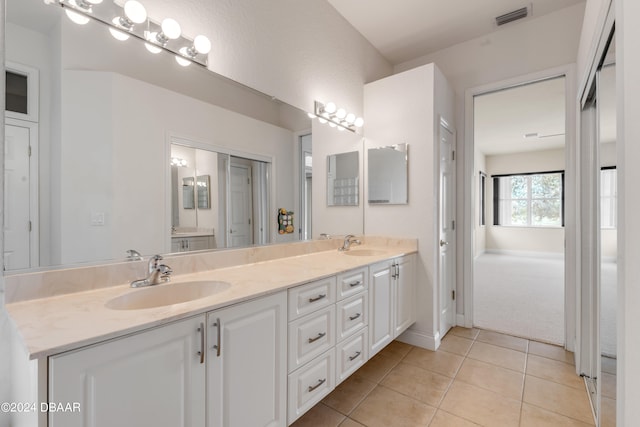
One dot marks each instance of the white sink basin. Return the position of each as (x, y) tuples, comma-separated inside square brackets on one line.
[(166, 294), (364, 252)]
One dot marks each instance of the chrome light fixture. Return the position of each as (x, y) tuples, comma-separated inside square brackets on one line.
[(336, 117), (131, 20)]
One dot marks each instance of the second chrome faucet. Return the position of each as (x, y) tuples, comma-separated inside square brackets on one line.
[(349, 240), (157, 273)]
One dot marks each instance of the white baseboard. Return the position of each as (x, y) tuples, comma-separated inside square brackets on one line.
[(460, 320), (530, 254), (420, 339)]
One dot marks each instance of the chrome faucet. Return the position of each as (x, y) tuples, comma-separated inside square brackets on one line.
[(158, 273), (349, 240), (133, 255)]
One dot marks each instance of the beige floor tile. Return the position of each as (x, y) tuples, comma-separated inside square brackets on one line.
[(608, 385), (504, 382), (349, 393), (350, 423), (559, 398), (384, 407), (551, 351), (532, 416), (445, 419), (376, 368), (470, 333), (320, 416), (502, 340), (396, 350), (609, 365), (500, 356), (553, 370), (608, 412), (481, 406), (423, 385), (455, 344), (440, 362)]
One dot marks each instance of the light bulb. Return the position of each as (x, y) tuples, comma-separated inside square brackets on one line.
[(311, 115), (322, 120), (171, 28), (332, 124), (351, 118), (330, 107), (93, 1), (151, 48), (76, 17), (340, 128), (183, 61), (341, 113), (135, 12), (117, 34), (359, 122), (202, 44)]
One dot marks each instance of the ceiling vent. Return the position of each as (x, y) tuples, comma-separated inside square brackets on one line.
[(512, 16)]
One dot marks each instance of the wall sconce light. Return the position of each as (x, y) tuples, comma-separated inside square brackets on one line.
[(336, 117), (123, 22), (176, 161)]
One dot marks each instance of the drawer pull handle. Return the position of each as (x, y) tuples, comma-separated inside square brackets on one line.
[(352, 358), (320, 335), (201, 352), (217, 346), (320, 382), (355, 316), (318, 298), (356, 283)]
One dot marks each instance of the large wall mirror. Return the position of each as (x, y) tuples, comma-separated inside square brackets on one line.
[(100, 118), (387, 174)]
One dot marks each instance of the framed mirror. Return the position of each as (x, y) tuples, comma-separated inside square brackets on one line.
[(106, 111), (343, 178), (387, 172)]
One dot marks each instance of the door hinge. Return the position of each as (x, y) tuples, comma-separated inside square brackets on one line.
[(453, 155), (453, 225), (248, 180), (453, 295), (249, 221), (30, 228), (29, 151)]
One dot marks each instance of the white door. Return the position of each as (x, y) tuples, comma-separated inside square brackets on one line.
[(20, 195), (381, 303), (446, 229), (246, 364), (240, 215), (154, 378)]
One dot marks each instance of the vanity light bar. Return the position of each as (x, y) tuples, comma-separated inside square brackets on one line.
[(336, 117), (131, 20)]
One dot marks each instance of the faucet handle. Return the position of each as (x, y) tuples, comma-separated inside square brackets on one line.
[(133, 255), (165, 272), (153, 262)]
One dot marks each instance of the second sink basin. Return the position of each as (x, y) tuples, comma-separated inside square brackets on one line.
[(364, 252), (166, 294)]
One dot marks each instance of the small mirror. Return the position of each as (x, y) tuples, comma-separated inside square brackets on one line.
[(187, 193), (387, 172), (343, 179), (204, 194)]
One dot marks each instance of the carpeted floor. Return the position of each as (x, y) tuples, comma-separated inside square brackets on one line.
[(524, 296)]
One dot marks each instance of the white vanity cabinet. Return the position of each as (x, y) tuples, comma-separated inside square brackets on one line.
[(192, 243), (152, 378), (246, 364), (391, 300)]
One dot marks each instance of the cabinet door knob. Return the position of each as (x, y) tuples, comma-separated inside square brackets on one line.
[(320, 382), (320, 335)]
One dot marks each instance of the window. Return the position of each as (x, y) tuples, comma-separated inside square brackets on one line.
[(529, 200), (482, 194), (608, 198)]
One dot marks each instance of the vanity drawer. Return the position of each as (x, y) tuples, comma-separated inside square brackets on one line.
[(309, 384), (352, 282), (313, 296), (351, 315), (351, 354), (310, 336)]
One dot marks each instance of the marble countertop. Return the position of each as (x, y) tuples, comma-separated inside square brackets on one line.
[(56, 324)]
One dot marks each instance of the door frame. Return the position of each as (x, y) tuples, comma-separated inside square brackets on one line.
[(34, 195), (469, 188)]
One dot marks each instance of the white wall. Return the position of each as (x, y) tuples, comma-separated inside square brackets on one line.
[(511, 51), (404, 108), (523, 239)]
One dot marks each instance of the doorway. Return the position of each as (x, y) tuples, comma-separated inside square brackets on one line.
[(520, 133)]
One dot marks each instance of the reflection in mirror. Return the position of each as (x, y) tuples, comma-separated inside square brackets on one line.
[(98, 126), (343, 177), (387, 173)]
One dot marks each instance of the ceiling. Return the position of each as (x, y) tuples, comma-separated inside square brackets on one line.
[(408, 29)]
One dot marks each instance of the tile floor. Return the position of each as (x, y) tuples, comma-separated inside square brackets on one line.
[(476, 378)]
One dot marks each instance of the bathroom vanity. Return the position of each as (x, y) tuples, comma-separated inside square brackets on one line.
[(261, 351)]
